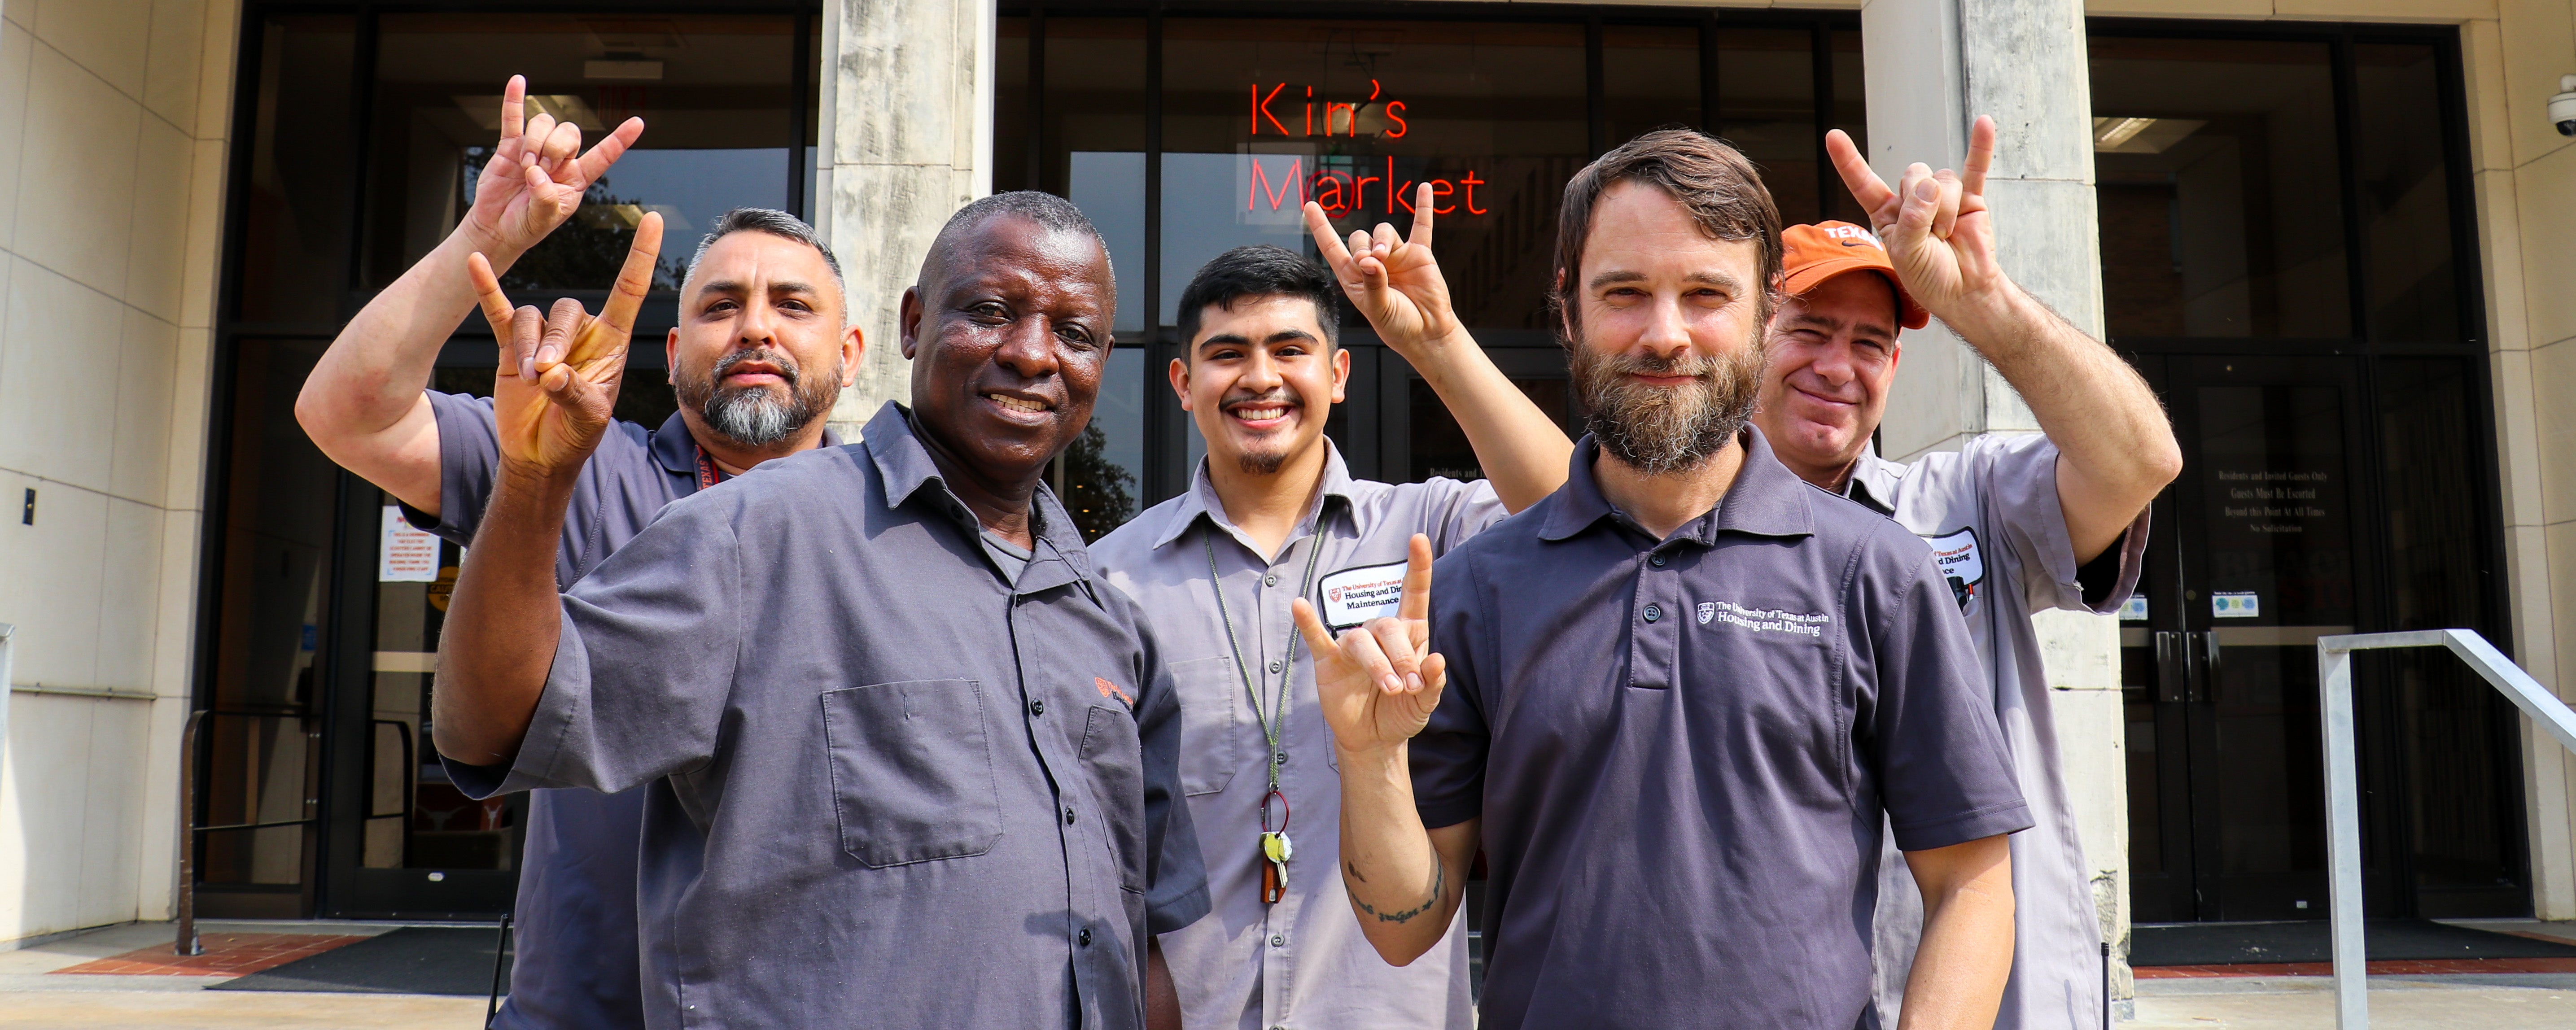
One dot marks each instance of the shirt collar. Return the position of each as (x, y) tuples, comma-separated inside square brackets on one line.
[(677, 452), (904, 465), (1766, 499), (1201, 498), (1874, 480)]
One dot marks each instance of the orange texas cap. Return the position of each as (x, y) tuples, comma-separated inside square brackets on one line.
[(1811, 254)]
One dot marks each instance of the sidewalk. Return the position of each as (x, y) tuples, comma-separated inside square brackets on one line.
[(2403, 1001), (36, 992)]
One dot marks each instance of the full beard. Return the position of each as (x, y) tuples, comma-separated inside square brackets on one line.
[(755, 416), (1657, 430)]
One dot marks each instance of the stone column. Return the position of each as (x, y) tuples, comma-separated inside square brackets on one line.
[(907, 129), (1933, 66)]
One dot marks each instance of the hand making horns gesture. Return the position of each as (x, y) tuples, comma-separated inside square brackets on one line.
[(559, 372), (1934, 224), (1379, 683), (1394, 282), (534, 181)]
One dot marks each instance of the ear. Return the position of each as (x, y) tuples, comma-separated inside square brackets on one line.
[(907, 322), (1565, 314), (1180, 376), (671, 356), (1341, 373), (854, 347)]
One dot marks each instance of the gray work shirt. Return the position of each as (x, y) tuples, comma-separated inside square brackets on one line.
[(887, 787), (1991, 514), (1302, 961), (1682, 749), (574, 924)]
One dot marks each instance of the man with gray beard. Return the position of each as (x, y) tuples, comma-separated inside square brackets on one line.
[(761, 351), (1689, 686)]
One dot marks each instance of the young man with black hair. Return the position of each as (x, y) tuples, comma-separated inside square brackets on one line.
[(1273, 515)]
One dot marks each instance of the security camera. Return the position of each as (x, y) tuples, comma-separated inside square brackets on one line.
[(2562, 108)]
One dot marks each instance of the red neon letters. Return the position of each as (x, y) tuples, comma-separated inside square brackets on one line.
[(1346, 192)]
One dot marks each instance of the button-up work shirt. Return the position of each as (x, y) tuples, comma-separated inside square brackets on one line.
[(1991, 514), (1681, 749), (887, 785), (574, 928), (1301, 962)]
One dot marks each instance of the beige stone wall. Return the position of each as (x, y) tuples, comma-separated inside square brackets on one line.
[(112, 122)]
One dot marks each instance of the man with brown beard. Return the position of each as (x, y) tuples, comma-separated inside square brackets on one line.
[(1689, 686)]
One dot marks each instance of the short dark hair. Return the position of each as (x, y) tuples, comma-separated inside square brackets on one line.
[(1046, 209), (1720, 189), (774, 222), (1260, 270)]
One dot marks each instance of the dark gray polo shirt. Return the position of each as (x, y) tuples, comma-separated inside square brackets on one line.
[(1681, 750), (889, 788), (574, 928)]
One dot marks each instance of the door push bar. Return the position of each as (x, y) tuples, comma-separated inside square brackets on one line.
[(2187, 665), (2343, 777)]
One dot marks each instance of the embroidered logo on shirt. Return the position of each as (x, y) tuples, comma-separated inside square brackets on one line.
[(1110, 690), (1955, 554), (1354, 596), (1764, 620)]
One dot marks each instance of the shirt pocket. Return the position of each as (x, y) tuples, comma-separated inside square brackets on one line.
[(1115, 761), (1209, 690), (912, 774)]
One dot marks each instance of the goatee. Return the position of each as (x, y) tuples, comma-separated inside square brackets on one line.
[(1656, 429), (754, 416)]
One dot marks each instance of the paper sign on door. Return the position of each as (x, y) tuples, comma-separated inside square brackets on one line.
[(405, 554)]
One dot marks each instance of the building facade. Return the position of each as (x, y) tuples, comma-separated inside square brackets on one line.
[(2330, 233)]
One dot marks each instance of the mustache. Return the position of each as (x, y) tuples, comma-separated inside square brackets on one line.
[(784, 362), (1279, 395)]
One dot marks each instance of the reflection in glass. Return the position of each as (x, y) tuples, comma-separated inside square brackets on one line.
[(1260, 115), (2221, 211), (1099, 478), (1766, 106), (2405, 184), (1650, 79), (717, 94), (1440, 448), (2138, 710), (416, 817), (295, 238)]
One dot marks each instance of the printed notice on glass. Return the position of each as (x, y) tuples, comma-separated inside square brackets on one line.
[(406, 554)]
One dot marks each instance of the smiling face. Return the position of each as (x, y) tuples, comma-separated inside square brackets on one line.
[(1667, 328), (1260, 381), (1008, 333), (1833, 357), (763, 347)]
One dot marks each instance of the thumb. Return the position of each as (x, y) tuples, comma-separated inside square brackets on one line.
[(585, 403)]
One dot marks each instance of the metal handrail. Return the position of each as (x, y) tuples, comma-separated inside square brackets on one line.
[(2343, 777), (188, 943)]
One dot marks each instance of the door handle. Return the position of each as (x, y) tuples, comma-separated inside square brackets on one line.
[(2173, 674), (2206, 683)]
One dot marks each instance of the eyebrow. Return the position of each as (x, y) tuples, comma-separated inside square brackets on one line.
[(1616, 276), (1864, 326), (737, 286), (1282, 336)]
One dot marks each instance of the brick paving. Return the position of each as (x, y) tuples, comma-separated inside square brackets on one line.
[(227, 954), (2432, 967)]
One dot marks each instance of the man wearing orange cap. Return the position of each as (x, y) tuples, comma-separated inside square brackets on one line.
[(2018, 523)]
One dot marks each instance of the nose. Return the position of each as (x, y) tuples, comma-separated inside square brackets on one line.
[(758, 326), (1833, 363), (1667, 331), (1261, 374), (1028, 348)]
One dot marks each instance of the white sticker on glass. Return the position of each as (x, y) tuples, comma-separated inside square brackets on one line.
[(2245, 605), (406, 554)]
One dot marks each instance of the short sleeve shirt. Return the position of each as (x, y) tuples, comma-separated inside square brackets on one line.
[(1300, 962), (574, 921), (886, 782), (1991, 514), (1684, 750)]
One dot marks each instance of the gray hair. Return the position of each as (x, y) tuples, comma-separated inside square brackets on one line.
[(776, 223)]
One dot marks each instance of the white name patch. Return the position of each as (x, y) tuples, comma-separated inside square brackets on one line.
[(1763, 620), (1955, 554), (1354, 596)]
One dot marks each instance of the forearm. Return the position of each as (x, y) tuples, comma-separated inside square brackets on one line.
[(1522, 451), (1401, 887), (1965, 953), (375, 369), (503, 622)]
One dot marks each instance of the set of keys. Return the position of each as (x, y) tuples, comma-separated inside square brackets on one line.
[(1276, 849)]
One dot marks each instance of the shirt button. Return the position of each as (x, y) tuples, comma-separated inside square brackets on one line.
[(1654, 612), (1279, 940), (1274, 666), (1270, 580), (1083, 938), (1037, 707), (1655, 560), (1068, 821), (1281, 758)]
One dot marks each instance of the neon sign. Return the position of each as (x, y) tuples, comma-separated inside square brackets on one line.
[(1337, 183)]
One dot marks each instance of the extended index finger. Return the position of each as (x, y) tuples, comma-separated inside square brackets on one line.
[(1864, 184), (1416, 603), (488, 295), (1421, 235), (634, 280), (1981, 155)]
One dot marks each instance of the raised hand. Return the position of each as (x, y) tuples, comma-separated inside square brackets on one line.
[(559, 373), (1394, 282), (1379, 682), (537, 174), (1934, 224)]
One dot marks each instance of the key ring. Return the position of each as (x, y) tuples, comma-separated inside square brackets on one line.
[(1283, 811)]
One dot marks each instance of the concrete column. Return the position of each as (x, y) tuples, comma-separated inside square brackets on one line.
[(906, 136), (1933, 66)]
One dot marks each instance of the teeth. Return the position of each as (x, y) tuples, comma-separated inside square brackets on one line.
[(1014, 403), (1258, 414)]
